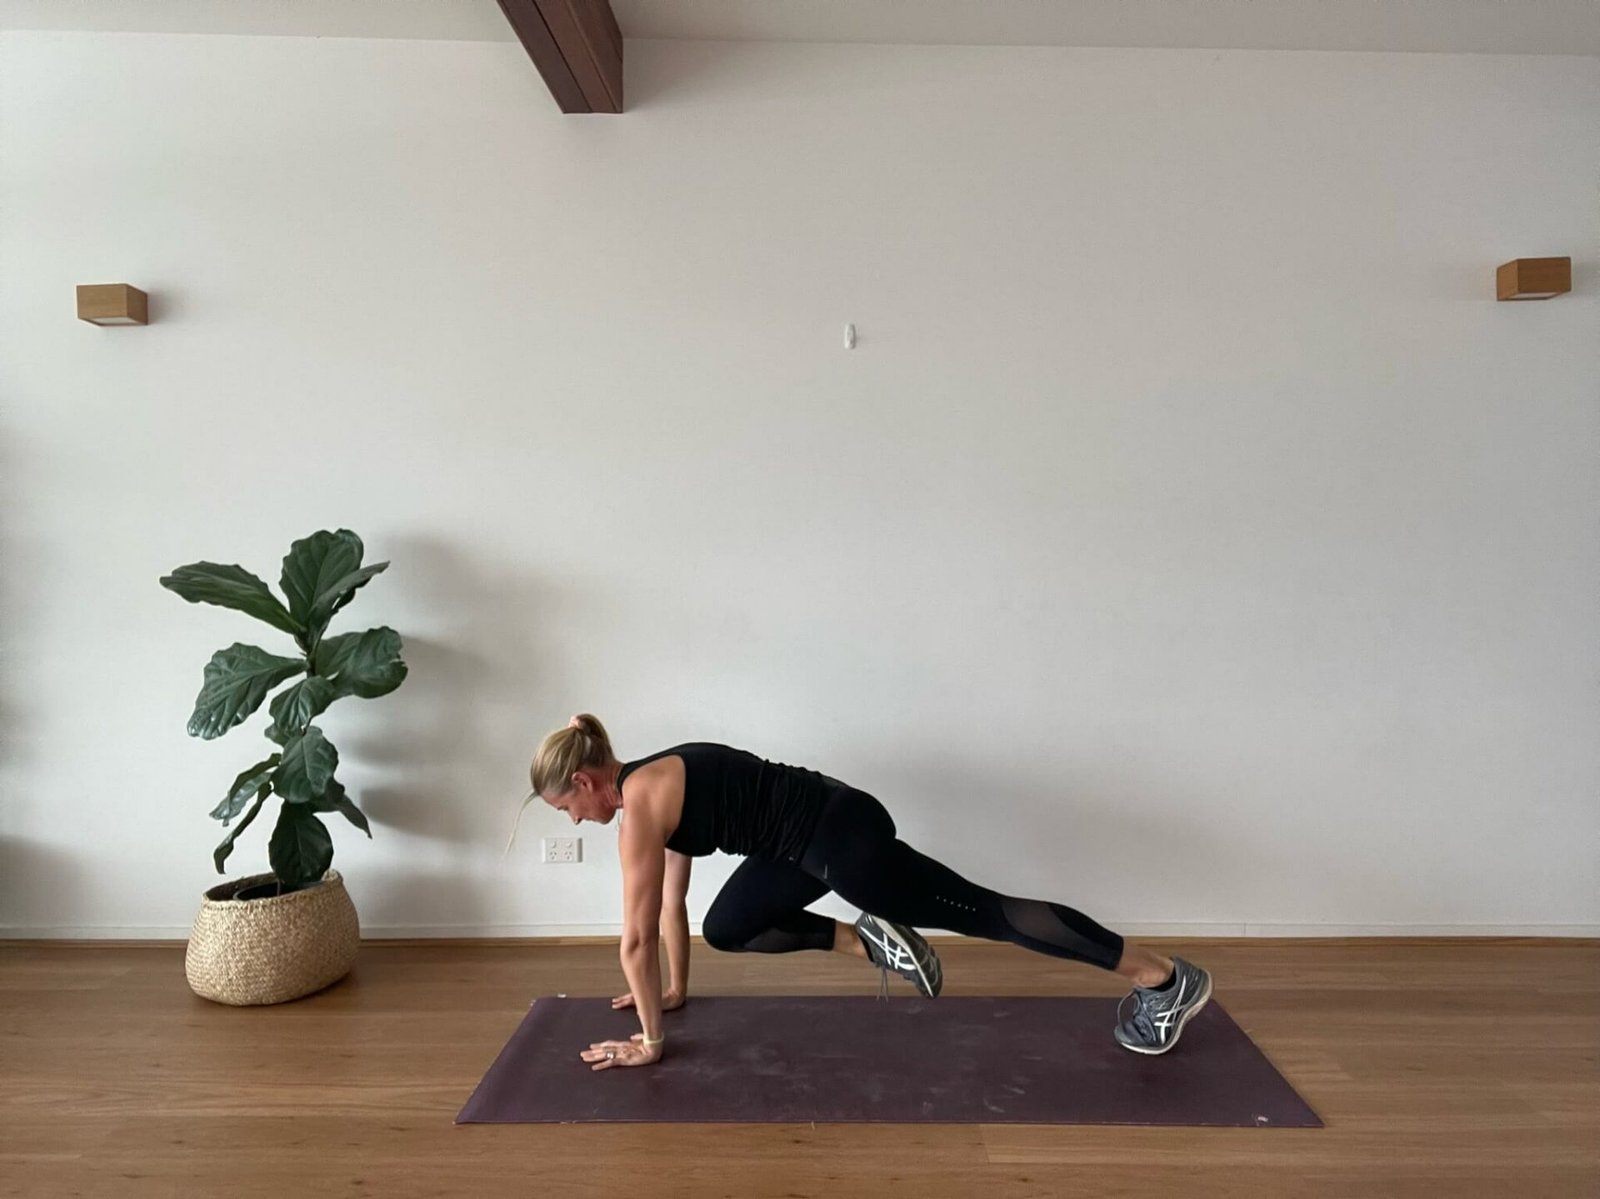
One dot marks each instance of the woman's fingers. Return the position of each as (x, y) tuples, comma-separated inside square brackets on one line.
[(597, 1052), (623, 1053)]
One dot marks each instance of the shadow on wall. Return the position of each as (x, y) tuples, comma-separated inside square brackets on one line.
[(27, 868), (30, 873), (419, 903), (433, 731), (440, 737), (1138, 837), (692, 74), (421, 742), (23, 565), (646, 82)]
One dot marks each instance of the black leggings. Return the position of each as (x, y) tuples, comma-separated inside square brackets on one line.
[(854, 852)]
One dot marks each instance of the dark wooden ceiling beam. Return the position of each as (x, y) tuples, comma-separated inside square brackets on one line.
[(577, 47)]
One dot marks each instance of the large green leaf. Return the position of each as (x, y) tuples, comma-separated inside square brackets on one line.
[(237, 680), (321, 574), (366, 664), (309, 761), (335, 800), (295, 708), (251, 782), (222, 851), (232, 587), (300, 850), (342, 592)]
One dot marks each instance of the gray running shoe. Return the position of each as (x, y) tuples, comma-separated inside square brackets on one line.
[(1159, 1016), (902, 949)]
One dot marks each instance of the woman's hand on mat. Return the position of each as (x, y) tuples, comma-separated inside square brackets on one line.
[(669, 1001), (632, 1052)]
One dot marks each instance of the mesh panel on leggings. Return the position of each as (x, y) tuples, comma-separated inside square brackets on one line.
[(1056, 925)]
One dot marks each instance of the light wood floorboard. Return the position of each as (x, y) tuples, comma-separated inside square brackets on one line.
[(1459, 1068)]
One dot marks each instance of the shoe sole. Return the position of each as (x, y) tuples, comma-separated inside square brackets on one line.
[(1187, 1016), (898, 932)]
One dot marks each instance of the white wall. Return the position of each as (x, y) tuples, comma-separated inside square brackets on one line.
[(1191, 538)]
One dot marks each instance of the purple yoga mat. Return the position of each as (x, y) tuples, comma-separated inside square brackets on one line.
[(857, 1058)]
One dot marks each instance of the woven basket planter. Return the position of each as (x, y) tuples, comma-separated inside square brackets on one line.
[(253, 951)]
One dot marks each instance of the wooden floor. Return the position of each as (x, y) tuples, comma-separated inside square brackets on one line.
[(1457, 1068)]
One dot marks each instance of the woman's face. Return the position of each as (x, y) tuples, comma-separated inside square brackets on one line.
[(586, 801)]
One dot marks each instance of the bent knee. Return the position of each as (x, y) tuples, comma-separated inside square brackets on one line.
[(724, 935)]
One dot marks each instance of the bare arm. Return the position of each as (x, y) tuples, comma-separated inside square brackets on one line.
[(643, 869), (643, 872), (675, 921)]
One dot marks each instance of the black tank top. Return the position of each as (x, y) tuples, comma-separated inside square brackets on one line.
[(739, 803)]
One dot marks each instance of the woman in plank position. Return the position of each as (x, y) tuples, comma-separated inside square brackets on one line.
[(803, 834)]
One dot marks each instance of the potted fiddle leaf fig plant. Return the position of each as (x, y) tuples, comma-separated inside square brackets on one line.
[(272, 937)]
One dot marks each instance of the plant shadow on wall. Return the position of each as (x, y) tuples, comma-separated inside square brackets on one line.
[(433, 745), (447, 744), (321, 574)]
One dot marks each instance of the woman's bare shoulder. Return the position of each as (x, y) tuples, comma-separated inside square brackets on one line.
[(655, 773), (658, 786)]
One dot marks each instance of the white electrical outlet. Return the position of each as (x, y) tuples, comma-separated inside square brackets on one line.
[(563, 849)]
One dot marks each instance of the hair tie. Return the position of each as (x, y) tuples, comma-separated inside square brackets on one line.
[(575, 723)]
